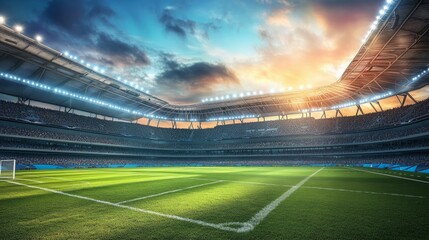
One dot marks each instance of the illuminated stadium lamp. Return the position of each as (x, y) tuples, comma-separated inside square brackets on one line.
[(19, 28), (100, 70), (39, 38), (375, 24), (2, 20), (420, 75), (44, 87)]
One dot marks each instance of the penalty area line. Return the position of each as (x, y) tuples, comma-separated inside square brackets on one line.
[(199, 222), (168, 192), (318, 188), (388, 175), (366, 192), (30, 180), (262, 214)]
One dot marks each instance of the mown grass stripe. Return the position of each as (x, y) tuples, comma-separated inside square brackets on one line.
[(199, 222), (168, 192), (388, 175)]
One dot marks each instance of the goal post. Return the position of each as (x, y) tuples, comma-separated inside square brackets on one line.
[(7, 168)]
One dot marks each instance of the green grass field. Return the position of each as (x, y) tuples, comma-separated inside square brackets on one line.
[(215, 203)]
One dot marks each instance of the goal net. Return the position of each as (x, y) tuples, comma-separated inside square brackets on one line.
[(7, 169)]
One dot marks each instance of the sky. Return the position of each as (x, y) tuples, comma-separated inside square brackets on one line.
[(187, 50)]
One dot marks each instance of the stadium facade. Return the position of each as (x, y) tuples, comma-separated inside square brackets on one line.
[(392, 61)]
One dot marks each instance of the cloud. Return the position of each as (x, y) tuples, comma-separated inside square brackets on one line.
[(180, 27), (306, 42), (199, 78), (77, 26), (74, 17), (198, 75), (279, 17), (183, 27), (122, 53)]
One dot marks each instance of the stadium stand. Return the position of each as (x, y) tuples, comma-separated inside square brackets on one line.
[(37, 136)]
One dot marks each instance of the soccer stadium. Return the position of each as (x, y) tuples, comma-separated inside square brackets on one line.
[(247, 119)]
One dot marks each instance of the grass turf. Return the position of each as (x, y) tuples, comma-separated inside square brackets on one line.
[(336, 203)]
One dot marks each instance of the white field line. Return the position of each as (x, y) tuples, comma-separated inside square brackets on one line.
[(57, 178), (367, 192), (388, 175), (168, 192), (199, 222), (262, 214), (319, 188), (30, 180), (66, 180), (232, 227), (245, 182), (20, 179)]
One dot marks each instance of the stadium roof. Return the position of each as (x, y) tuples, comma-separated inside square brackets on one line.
[(395, 51)]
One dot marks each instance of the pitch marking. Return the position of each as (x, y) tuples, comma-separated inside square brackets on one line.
[(388, 175), (367, 192), (238, 227), (262, 214), (199, 222), (23, 179), (319, 188), (168, 192), (254, 183)]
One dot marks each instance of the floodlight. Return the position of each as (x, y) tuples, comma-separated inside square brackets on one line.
[(39, 38), (19, 28), (2, 20)]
